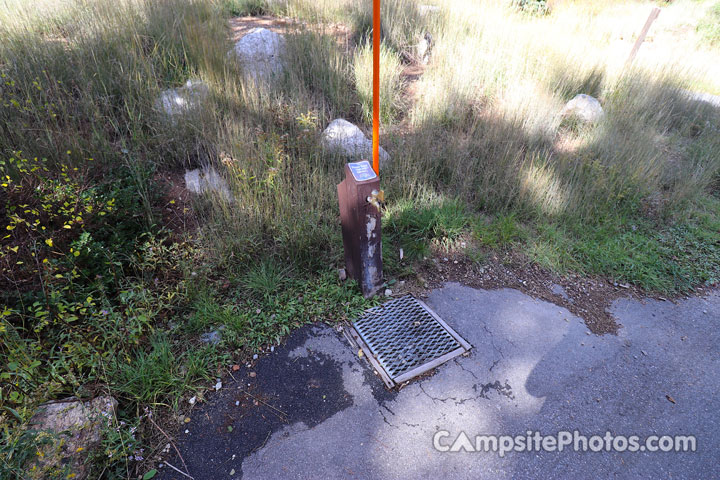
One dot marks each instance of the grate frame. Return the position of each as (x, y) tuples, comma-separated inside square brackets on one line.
[(398, 332)]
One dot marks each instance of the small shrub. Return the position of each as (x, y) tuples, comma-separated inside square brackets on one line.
[(709, 26), (533, 7), (246, 7)]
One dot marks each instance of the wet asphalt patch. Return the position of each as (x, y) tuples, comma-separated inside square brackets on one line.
[(288, 388)]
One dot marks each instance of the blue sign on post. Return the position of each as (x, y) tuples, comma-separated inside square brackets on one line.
[(362, 171)]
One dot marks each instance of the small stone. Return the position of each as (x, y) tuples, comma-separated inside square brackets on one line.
[(584, 108), (253, 374), (192, 400), (255, 356), (232, 472), (388, 292), (187, 431), (186, 420), (423, 48), (183, 100), (218, 386), (235, 368), (348, 140), (211, 338), (272, 348), (342, 274), (237, 403), (402, 254)]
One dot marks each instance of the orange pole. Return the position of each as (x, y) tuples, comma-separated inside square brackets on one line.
[(376, 87)]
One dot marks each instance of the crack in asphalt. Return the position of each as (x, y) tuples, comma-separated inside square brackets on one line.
[(466, 370), (501, 389), (492, 341)]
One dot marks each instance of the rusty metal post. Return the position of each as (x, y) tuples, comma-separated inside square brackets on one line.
[(360, 196)]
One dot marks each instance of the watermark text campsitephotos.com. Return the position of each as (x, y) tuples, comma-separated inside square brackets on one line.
[(535, 441)]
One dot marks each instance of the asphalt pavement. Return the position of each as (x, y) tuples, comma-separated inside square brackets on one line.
[(313, 409)]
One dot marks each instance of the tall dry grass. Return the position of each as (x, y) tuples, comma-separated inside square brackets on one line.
[(83, 77)]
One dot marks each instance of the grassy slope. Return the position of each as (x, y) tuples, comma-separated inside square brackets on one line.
[(99, 296)]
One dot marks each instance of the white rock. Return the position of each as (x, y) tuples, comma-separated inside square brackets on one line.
[(344, 138), (423, 48), (260, 53), (178, 101), (192, 400), (218, 386), (205, 180), (425, 9), (388, 292), (584, 108), (704, 97)]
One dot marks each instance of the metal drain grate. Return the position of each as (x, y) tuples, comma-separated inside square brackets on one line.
[(403, 338)]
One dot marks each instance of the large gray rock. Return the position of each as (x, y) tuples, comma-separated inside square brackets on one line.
[(344, 138), (177, 101), (584, 108), (261, 53), (74, 429)]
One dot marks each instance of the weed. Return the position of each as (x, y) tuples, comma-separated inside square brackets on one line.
[(266, 279), (501, 232)]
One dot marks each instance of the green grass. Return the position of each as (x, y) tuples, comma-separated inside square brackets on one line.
[(391, 84), (98, 290), (240, 8), (668, 259), (161, 374), (415, 226), (501, 232)]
